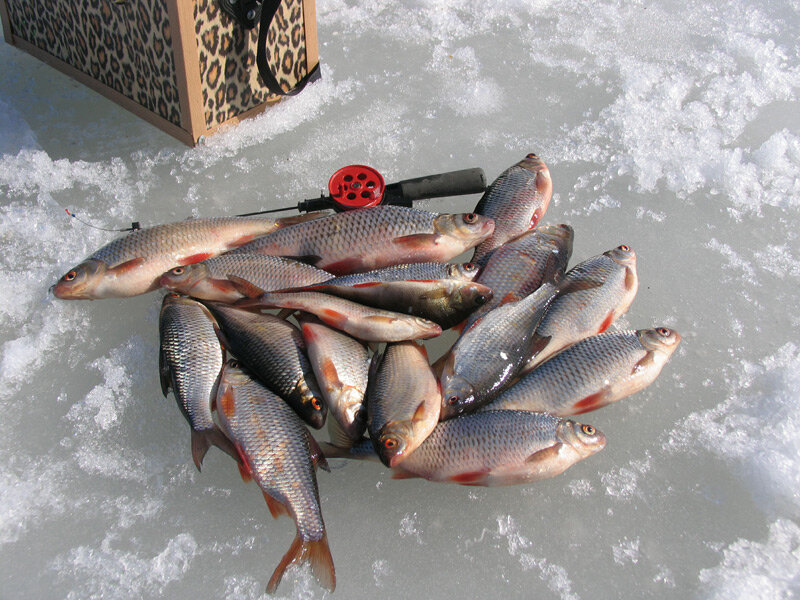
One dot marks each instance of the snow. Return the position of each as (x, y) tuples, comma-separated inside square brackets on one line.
[(671, 127)]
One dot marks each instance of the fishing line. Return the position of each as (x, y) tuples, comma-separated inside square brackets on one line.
[(134, 226)]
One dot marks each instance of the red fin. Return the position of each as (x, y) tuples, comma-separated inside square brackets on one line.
[(225, 402), (416, 241), (460, 327), (196, 258), (509, 297), (469, 478), (591, 402), (244, 468), (244, 287), (127, 266), (330, 372), (333, 317), (398, 473), (317, 456), (316, 553), (606, 322), (367, 284), (245, 239), (222, 285), (276, 508), (544, 456)]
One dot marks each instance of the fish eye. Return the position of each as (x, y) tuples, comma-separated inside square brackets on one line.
[(480, 300), (588, 429), (531, 155), (625, 248), (173, 295), (470, 267), (315, 403), (663, 331), (452, 400), (178, 271), (470, 218), (390, 443), (234, 363), (70, 276)]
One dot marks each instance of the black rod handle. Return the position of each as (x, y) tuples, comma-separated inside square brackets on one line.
[(454, 183)]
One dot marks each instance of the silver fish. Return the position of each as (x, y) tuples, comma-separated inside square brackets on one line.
[(341, 365), (500, 447), (591, 373), (591, 297), (279, 453), (488, 354), (516, 201), (403, 401), (208, 280), (274, 351), (369, 238), (190, 360), (132, 264)]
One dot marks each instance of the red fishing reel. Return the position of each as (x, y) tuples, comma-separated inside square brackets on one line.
[(356, 186)]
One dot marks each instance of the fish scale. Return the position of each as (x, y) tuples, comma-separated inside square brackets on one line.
[(278, 452), (591, 373), (274, 351), (592, 295), (500, 447), (411, 272), (369, 238)]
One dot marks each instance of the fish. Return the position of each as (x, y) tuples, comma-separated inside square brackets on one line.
[(208, 280), (500, 447), (592, 373), (446, 302), (520, 266), (341, 365), (278, 452), (487, 355), (516, 201), (362, 322), (274, 351), (403, 401), (133, 263), (190, 361), (422, 271), (369, 238), (592, 295)]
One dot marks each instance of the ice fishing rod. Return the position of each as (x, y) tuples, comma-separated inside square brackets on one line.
[(360, 186)]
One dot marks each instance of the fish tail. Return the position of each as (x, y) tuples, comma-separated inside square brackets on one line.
[(316, 553), (203, 439)]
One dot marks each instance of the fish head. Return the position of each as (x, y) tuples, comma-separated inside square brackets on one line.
[(458, 394), (469, 228), (623, 254), (80, 282), (472, 296), (584, 439), (660, 339), (464, 271), (313, 408), (183, 278), (392, 442)]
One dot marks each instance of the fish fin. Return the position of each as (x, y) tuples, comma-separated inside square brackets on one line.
[(539, 343), (578, 285), (164, 373), (459, 327), (244, 469), (416, 240), (645, 363), (222, 285), (470, 478), (630, 279), (591, 402), (334, 318), (316, 553), (339, 439), (543, 456), (317, 457), (295, 219), (195, 258), (202, 440), (285, 313), (508, 298), (400, 473), (606, 322), (419, 414), (244, 287), (127, 266), (344, 266), (552, 271), (276, 507)]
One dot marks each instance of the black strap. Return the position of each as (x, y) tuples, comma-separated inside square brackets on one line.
[(268, 10)]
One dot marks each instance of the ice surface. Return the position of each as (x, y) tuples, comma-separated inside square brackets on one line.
[(669, 126)]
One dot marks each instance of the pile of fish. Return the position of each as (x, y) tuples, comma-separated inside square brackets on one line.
[(364, 288)]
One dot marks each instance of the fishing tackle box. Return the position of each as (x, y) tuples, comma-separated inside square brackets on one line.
[(187, 66)]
